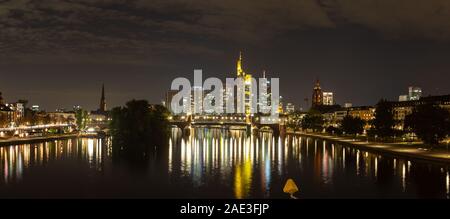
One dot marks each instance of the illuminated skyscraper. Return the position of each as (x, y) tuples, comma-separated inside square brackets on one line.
[(414, 93), (328, 98), (265, 101), (317, 97), (290, 108), (197, 100), (246, 88)]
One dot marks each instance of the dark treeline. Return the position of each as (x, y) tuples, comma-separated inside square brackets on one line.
[(139, 131), (428, 121)]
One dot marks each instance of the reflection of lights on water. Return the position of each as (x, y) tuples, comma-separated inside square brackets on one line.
[(409, 166), (404, 177), (183, 155), (315, 147), (307, 146), (376, 167), (90, 149), (448, 185), (300, 151), (343, 157), (332, 151), (395, 165), (170, 155), (280, 153), (357, 162)]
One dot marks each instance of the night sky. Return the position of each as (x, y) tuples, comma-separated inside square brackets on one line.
[(57, 53)]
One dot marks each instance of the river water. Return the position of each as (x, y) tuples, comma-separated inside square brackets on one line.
[(217, 163)]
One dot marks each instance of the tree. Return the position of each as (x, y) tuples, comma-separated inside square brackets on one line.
[(294, 121), (352, 125), (383, 124), (30, 117), (431, 123), (333, 130), (138, 130), (3, 120), (313, 120), (81, 117)]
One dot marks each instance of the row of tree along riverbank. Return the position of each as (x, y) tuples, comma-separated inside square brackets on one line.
[(428, 122)]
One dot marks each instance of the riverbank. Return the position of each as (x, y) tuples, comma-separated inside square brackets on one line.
[(30, 140), (415, 151)]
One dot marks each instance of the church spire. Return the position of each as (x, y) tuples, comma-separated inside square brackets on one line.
[(103, 100), (317, 97)]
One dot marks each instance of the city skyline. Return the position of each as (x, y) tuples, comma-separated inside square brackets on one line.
[(305, 103), (58, 53)]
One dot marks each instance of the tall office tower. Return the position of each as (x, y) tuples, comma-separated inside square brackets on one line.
[(317, 97), (414, 93), (328, 98), (290, 108)]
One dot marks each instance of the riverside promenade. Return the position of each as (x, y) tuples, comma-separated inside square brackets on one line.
[(409, 150), (29, 140)]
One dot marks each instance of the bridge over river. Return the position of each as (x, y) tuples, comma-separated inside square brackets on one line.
[(252, 123)]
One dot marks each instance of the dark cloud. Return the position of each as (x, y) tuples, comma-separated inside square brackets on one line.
[(399, 19), (140, 30), (130, 43)]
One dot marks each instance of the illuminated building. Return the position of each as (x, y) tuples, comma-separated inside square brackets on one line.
[(403, 98), (76, 108), (6, 114), (334, 118), (327, 98), (197, 100), (317, 97), (169, 97), (365, 113), (209, 97), (264, 103), (414, 93), (247, 87), (280, 105), (11, 113), (35, 108), (290, 108), (18, 111), (403, 108)]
